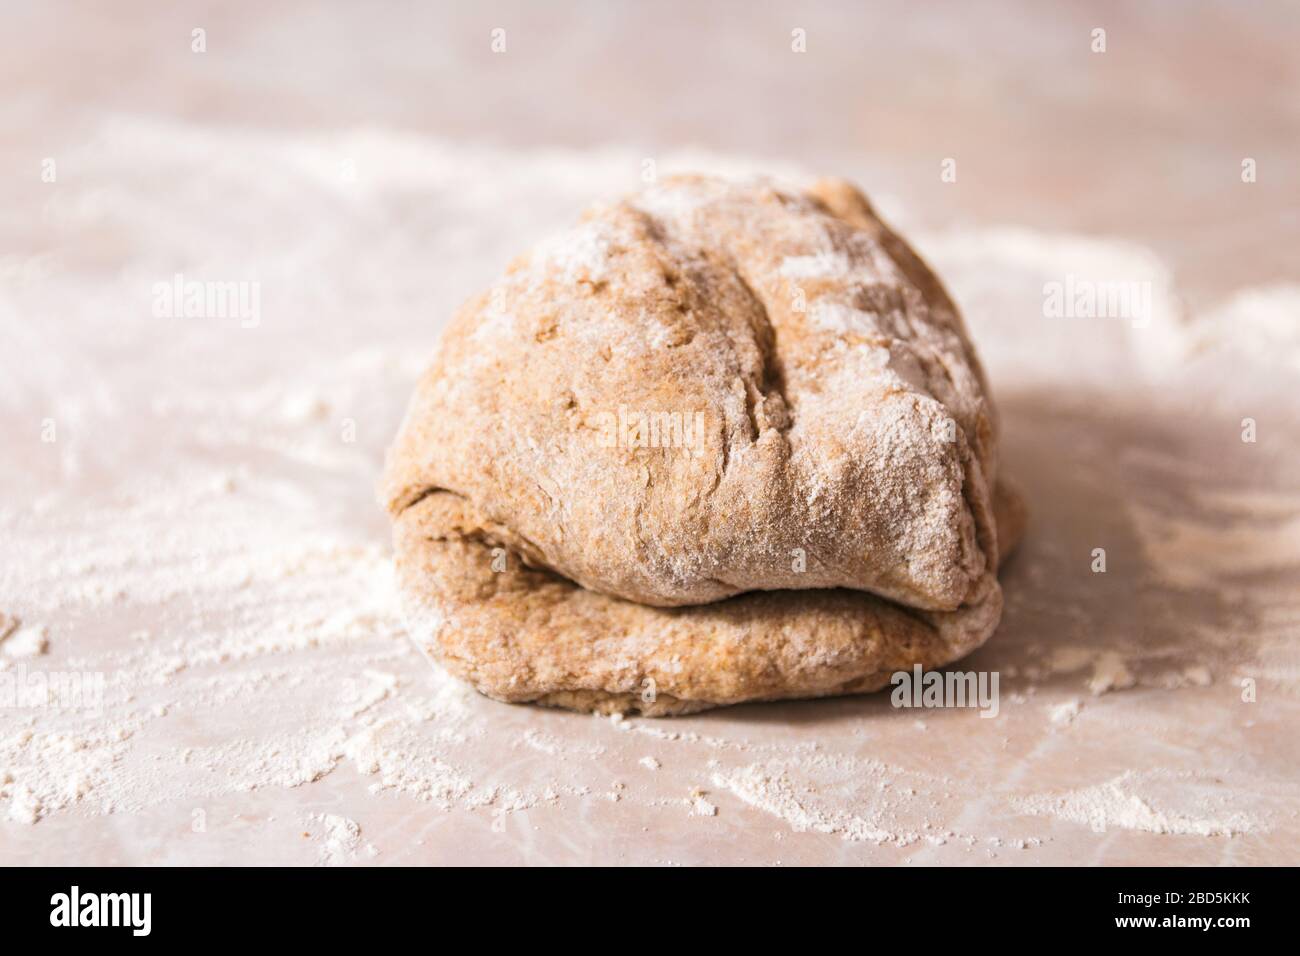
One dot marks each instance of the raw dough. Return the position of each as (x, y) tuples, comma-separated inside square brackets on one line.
[(812, 510)]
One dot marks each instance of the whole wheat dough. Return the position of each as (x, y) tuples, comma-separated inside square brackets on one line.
[(719, 442)]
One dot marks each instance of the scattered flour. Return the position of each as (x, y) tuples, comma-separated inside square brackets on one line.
[(773, 792), (1110, 672), (1116, 805), (24, 807), (700, 806), (1064, 713), (25, 641), (339, 839)]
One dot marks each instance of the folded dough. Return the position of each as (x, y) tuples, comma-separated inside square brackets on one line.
[(719, 442)]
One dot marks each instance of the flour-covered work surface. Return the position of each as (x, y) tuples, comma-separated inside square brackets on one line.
[(208, 334)]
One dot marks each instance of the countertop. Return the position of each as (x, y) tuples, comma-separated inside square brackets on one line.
[(199, 575)]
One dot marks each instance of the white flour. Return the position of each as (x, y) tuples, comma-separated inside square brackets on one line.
[(24, 641), (1115, 805), (775, 794), (339, 839)]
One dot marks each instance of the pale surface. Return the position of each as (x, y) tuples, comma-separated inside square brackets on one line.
[(203, 533)]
